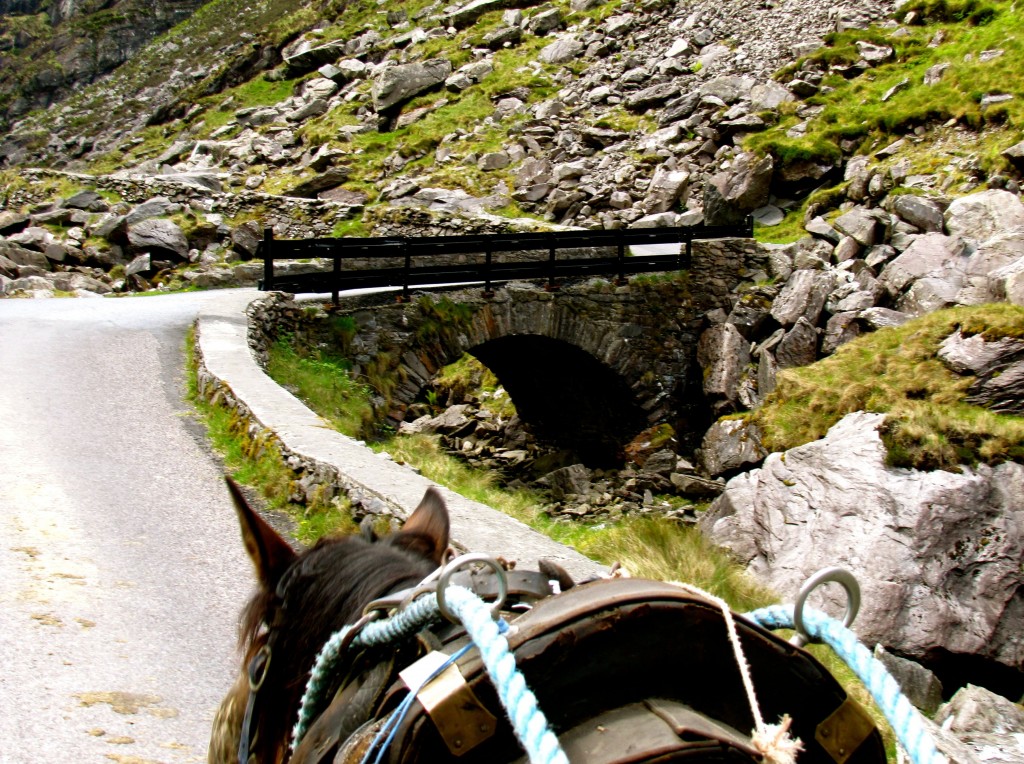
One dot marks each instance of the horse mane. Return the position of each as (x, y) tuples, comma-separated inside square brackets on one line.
[(326, 588)]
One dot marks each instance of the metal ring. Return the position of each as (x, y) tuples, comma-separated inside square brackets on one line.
[(460, 562), (840, 576)]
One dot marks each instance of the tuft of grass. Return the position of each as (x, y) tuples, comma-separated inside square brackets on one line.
[(897, 372), (323, 376), (259, 463)]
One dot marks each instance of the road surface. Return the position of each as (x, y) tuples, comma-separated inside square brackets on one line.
[(121, 568)]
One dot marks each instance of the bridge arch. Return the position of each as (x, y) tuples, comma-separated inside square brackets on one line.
[(587, 369)]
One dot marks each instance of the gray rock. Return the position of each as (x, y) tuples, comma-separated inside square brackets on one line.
[(799, 346), (933, 254), (819, 227), (906, 535), (882, 318), (574, 479), (1001, 390), (314, 108), (113, 228), (495, 160), (562, 51), (545, 21), (78, 283), (87, 200), (751, 311), (653, 97), (919, 685), (848, 248), (1015, 155), (1008, 283), (8, 267), (160, 236), (769, 215), (803, 296), (666, 190), (661, 462), (730, 445), (695, 485), (467, 14), (976, 355), (33, 237), (974, 710), (729, 88), (928, 294), (33, 286), (310, 187), (731, 195), (934, 74), (246, 238), (22, 256), (397, 84), (306, 57), (158, 206), (12, 222), (140, 265), (982, 215), (723, 354), (840, 329), (866, 226), (922, 213)]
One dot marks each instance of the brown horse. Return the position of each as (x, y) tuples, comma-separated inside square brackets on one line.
[(302, 599), (626, 670)]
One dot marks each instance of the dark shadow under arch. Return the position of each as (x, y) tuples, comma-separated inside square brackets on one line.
[(566, 395)]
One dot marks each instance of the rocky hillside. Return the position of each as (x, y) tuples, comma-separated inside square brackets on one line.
[(50, 49)]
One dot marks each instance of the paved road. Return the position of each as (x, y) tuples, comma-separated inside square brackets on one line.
[(121, 569)]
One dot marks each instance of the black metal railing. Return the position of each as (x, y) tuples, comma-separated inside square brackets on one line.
[(408, 269)]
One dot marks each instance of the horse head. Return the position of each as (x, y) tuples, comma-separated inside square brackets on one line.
[(302, 598)]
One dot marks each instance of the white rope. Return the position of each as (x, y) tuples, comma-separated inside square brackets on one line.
[(772, 740)]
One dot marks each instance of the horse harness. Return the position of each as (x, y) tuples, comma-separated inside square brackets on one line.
[(627, 670), (517, 590)]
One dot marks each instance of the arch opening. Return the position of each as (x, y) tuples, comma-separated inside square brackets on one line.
[(565, 395)]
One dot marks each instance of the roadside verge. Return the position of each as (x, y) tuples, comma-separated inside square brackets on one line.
[(228, 374)]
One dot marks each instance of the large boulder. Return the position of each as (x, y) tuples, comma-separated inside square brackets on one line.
[(732, 195), (161, 237), (398, 84), (983, 215), (723, 355), (937, 554), (730, 445), (933, 255), (803, 296)]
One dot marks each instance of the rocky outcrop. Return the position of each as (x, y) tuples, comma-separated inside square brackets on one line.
[(937, 554), (80, 43)]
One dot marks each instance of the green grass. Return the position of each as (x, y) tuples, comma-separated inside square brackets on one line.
[(897, 372), (258, 463), (323, 376)]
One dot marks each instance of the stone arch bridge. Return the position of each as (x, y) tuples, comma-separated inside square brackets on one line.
[(588, 366)]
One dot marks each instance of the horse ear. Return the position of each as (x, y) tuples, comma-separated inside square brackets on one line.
[(427, 527), (271, 555)]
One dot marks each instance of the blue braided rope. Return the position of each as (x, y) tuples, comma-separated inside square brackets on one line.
[(905, 720), (416, 616), (528, 721)]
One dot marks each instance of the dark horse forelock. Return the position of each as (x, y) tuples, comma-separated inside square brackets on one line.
[(326, 588)]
